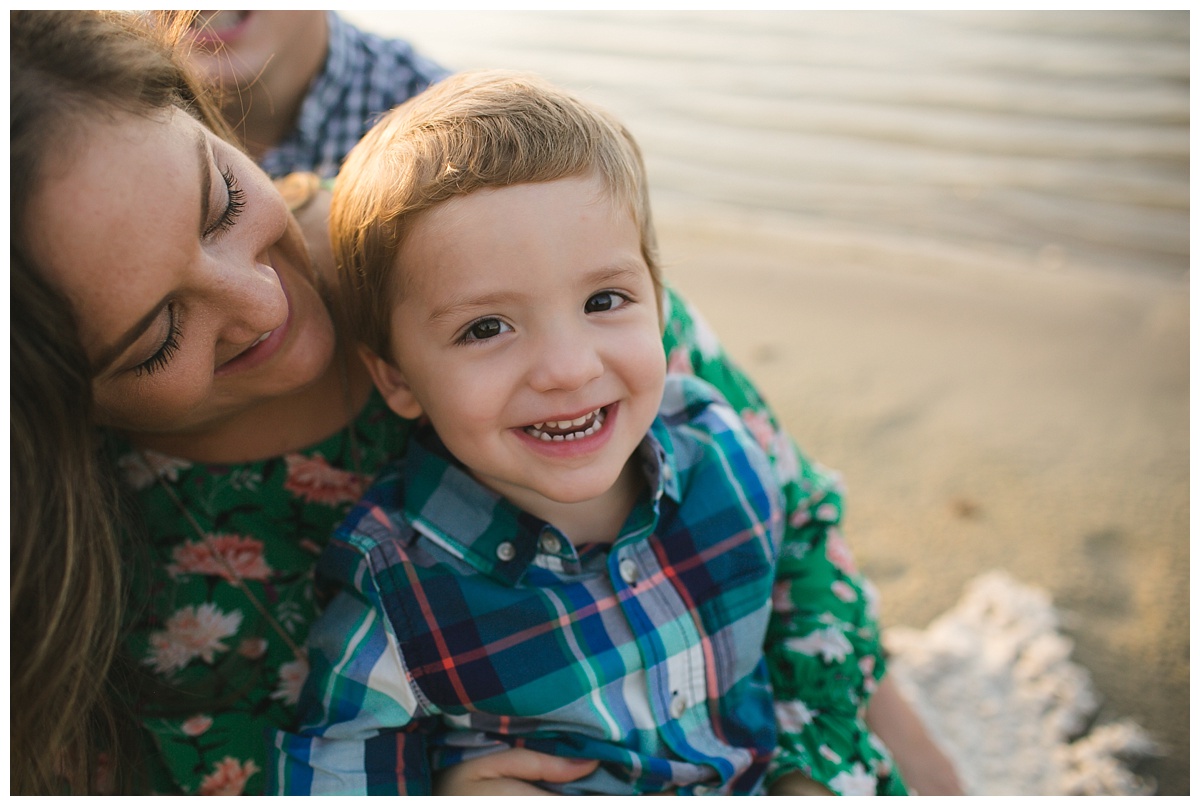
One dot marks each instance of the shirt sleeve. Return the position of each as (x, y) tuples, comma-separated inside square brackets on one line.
[(361, 728), (823, 646)]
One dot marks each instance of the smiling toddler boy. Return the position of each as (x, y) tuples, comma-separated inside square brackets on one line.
[(576, 552)]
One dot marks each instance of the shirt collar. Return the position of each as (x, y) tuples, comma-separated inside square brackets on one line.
[(484, 529), (326, 90)]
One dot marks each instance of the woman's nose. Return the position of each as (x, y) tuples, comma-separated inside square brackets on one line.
[(252, 300)]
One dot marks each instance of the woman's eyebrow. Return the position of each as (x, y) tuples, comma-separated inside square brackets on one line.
[(110, 354)]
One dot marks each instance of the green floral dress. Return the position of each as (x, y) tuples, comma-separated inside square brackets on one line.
[(218, 625)]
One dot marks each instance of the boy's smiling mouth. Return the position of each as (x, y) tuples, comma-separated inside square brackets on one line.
[(568, 430)]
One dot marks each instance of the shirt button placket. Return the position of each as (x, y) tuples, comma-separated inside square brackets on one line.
[(550, 543), (678, 706)]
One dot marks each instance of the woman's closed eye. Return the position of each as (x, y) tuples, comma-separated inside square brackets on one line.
[(162, 356), (235, 203)]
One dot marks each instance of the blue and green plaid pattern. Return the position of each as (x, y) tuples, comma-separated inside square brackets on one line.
[(364, 76), (464, 626)]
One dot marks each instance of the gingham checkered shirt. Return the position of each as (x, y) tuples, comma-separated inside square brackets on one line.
[(465, 625), (364, 76)]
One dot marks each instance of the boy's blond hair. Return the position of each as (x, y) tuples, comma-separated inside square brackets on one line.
[(478, 129)]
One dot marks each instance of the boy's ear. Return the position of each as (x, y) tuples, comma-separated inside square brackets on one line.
[(391, 384)]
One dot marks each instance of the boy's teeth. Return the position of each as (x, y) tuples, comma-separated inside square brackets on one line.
[(564, 424), (538, 429)]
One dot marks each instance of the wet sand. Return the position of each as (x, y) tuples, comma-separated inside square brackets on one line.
[(953, 250)]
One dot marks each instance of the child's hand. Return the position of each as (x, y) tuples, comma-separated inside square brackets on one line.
[(510, 772)]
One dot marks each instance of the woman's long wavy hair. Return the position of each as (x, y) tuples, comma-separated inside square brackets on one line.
[(69, 731)]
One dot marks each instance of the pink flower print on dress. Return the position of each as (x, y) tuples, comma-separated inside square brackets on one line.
[(252, 648), (231, 557), (678, 363), (829, 754), (866, 665), (192, 632), (197, 725), (315, 480), (839, 553), (229, 777), (843, 591), (781, 597), (760, 426)]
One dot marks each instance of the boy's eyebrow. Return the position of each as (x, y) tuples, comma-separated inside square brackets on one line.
[(452, 308), (602, 276)]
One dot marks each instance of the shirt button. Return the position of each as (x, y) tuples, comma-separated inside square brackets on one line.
[(629, 571), (550, 544), (505, 551), (678, 706)]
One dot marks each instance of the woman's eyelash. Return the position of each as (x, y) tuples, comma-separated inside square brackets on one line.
[(165, 352), (237, 201)]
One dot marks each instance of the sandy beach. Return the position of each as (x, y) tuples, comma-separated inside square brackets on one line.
[(1029, 423), (953, 250)]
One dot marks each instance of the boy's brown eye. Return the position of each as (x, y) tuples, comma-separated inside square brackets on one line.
[(485, 329), (599, 302)]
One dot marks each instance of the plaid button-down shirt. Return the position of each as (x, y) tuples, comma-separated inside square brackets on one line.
[(465, 625), (364, 76)]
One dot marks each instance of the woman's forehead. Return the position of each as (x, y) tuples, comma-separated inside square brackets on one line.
[(116, 210)]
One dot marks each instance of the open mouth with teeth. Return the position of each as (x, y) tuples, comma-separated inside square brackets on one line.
[(568, 430)]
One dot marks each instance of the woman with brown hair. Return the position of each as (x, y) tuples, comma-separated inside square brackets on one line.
[(198, 359)]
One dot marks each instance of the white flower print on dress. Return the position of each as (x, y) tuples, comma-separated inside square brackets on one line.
[(192, 632), (291, 679), (787, 463), (830, 644), (854, 781), (138, 476), (793, 715)]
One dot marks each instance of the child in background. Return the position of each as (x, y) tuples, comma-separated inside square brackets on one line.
[(576, 553)]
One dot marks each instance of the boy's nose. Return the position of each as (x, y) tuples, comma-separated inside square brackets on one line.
[(565, 362)]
